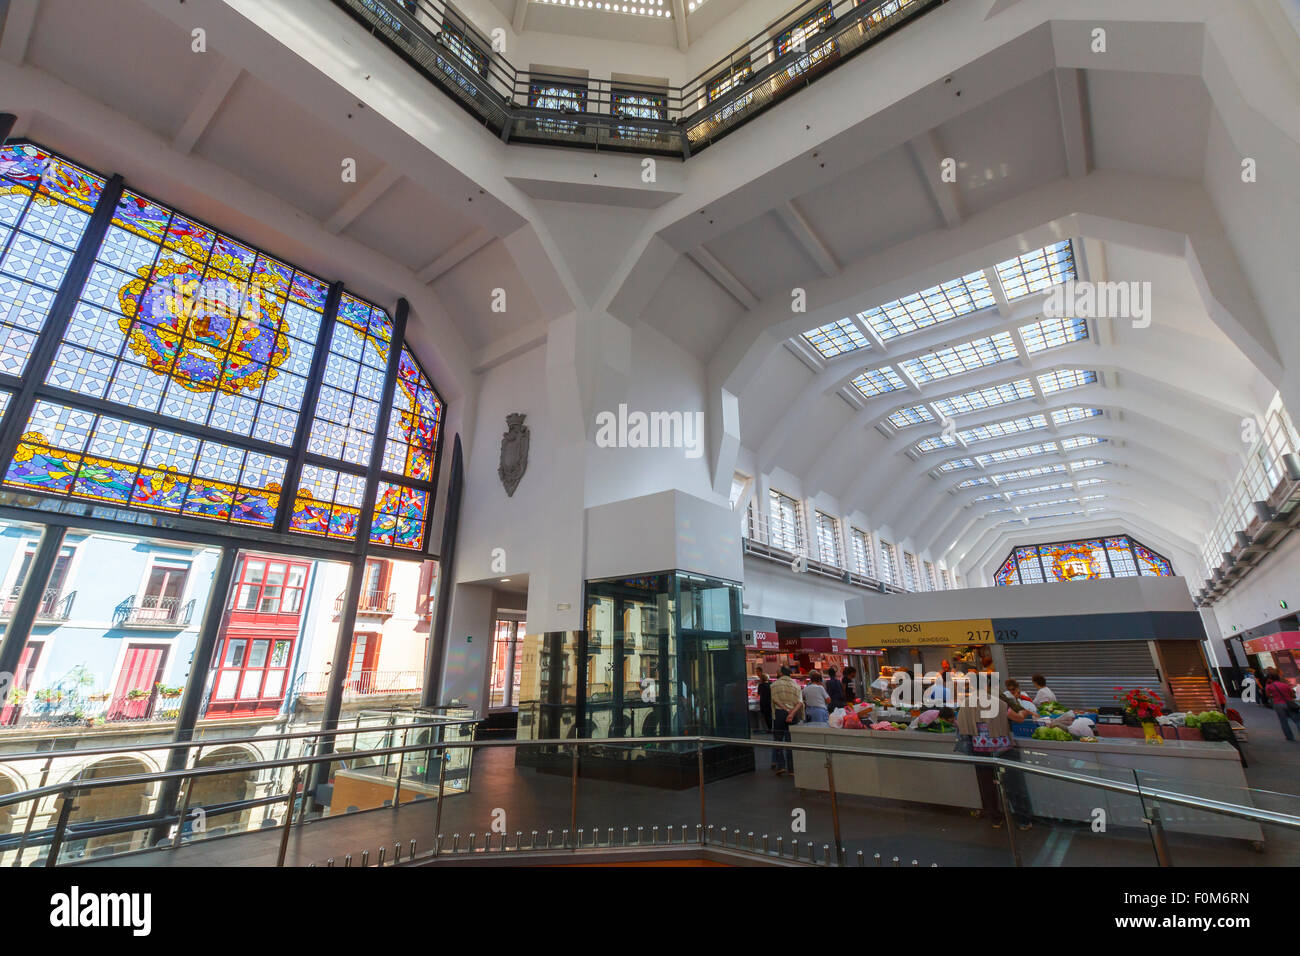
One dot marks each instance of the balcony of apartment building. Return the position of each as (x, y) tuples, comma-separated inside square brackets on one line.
[(55, 604), (153, 611), (374, 602)]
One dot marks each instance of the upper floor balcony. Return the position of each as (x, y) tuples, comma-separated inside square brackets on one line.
[(55, 604), (370, 602), (531, 107), (153, 610)]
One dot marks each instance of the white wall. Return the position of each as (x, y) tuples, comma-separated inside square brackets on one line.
[(1254, 601)]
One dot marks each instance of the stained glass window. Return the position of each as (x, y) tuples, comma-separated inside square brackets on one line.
[(5, 397), (796, 39), (71, 452), (464, 49), (1027, 565), (1074, 560), (177, 319), (328, 503), (45, 206), (400, 516), (737, 75), (347, 412), (414, 423), (1080, 560)]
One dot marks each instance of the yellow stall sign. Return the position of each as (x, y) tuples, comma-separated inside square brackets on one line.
[(916, 633)]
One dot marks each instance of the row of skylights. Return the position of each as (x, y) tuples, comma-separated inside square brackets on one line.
[(836, 338), (1087, 463), (1020, 474), (999, 496), (646, 8), (1052, 333), (878, 381), (913, 415), (1080, 441), (1055, 514), (1039, 489), (956, 464), (1011, 454), (1075, 413), (966, 357), (986, 397), (1064, 378), (1031, 272), (974, 482), (1050, 504), (1037, 270)]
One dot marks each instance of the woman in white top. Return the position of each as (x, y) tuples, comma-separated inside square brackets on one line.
[(815, 699), (1044, 692)]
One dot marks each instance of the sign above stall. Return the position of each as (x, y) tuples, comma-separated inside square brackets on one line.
[(1281, 641), (920, 633), (766, 641)]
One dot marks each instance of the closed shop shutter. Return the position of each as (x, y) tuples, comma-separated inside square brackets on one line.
[(1085, 675)]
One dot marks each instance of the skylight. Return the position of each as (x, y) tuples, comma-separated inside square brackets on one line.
[(878, 381), (1087, 463), (973, 482), (1037, 270), (836, 338), (1011, 426), (1074, 413), (956, 464), (985, 398), (913, 415), (1079, 441), (1063, 378), (1052, 333), (1022, 473), (1089, 481), (1049, 504), (939, 303), (646, 8), (1039, 489), (995, 497), (934, 443), (1055, 514), (1011, 454), (965, 357)]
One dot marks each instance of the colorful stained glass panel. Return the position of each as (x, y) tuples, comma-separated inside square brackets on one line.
[(399, 516), (328, 503), (414, 423)]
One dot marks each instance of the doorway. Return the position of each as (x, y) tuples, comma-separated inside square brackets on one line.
[(507, 664)]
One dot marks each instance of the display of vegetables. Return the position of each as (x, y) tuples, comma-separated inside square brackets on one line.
[(940, 727), (1211, 717), (1051, 733), (1051, 708)]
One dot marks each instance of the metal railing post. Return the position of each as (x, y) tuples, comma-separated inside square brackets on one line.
[(66, 806), (835, 811), (288, 818), (1158, 840), (401, 765), (1008, 820), (31, 816), (442, 794), (699, 763), (573, 799)]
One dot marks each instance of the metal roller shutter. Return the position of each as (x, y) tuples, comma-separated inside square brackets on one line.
[(1085, 675)]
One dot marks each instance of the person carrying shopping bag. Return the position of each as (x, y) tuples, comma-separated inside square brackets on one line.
[(990, 736)]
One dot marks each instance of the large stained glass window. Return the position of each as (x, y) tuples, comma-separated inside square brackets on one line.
[(45, 206), (414, 423), (185, 364), (347, 411), (181, 320), (1118, 556), (72, 452)]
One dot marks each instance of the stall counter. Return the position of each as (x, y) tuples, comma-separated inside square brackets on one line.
[(1201, 768)]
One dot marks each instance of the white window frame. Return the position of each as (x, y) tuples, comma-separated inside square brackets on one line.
[(889, 563), (828, 533), (910, 572), (861, 556), (790, 529)]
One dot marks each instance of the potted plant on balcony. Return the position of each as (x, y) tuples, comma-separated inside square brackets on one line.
[(169, 692), (50, 696), (137, 694), (16, 697), (99, 698)]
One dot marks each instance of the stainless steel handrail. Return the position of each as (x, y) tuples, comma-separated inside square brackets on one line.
[(1101, 783), (223, 741)]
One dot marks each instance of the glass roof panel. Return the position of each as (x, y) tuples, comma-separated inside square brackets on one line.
[(1037, 270)]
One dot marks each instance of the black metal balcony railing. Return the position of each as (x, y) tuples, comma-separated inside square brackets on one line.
[(153, 611), (55, 604), (370, 602), (530, 107)]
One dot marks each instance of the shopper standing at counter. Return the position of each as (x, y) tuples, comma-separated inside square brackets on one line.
[(1044, 694), (991, 737), (787, 703), (834, 689), (816, 701)]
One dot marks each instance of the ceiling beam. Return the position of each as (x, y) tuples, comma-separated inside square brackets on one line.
[(947, 197), (205, 108), (454, 256), (17, 30), (679, 17), (807, 239), (723, 276), (1071, 97), (363, 198)]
